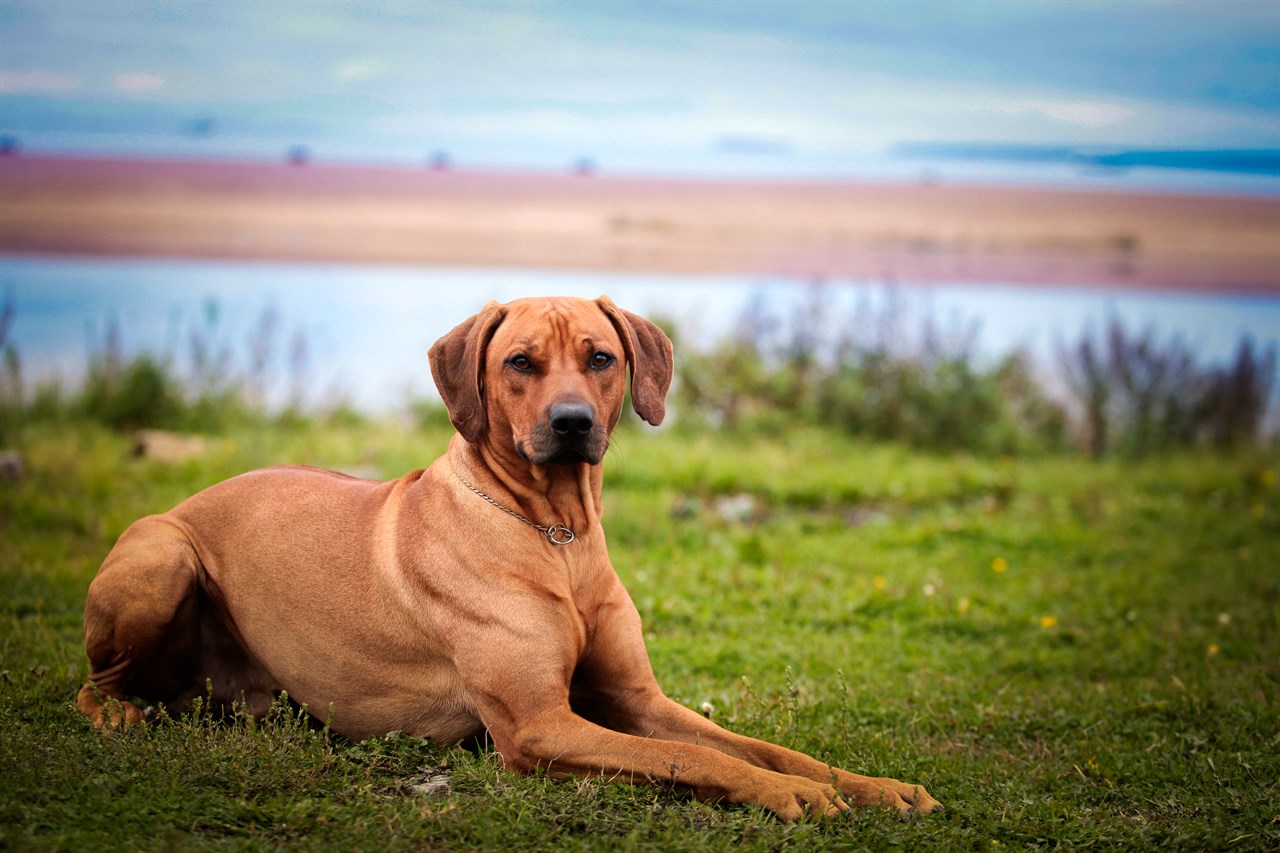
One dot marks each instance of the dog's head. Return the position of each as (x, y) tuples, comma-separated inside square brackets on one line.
[(549, 375)]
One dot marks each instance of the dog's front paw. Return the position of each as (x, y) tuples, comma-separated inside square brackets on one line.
[(890, 793), (792, 798), (107, 713)]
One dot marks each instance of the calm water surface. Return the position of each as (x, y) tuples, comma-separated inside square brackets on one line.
[(367, 329)]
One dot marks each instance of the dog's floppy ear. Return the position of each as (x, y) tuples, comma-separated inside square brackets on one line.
[(648, 351), (457, 365)]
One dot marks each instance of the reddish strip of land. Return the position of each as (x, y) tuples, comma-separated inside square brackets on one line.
[(880, 232)]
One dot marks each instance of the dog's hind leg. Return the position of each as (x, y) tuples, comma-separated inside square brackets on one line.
[(141, 623)]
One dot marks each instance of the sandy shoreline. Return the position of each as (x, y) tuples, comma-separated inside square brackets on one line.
[(883, 232)]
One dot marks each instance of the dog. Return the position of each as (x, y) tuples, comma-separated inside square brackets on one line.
[(474, 596)]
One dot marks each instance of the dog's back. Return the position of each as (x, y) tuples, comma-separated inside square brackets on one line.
[(310, 559)]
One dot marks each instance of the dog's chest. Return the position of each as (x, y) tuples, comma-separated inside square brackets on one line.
[(578, 583)]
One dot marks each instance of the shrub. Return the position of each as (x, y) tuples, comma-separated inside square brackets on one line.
[(147, 390), (1141, 395), (11, 392), (139, 393), (871, 378), (1236, 397)]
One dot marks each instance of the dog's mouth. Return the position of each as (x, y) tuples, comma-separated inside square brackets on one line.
[(570, 457), (547, 448)]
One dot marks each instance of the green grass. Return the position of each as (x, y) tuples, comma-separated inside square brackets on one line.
[(1115, 686)]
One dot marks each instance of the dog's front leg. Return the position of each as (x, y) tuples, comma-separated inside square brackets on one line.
[(614, 685), (517, 675), (565, 744), (653, 713)]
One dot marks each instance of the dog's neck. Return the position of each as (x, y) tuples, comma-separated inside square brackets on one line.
[(546, 494)]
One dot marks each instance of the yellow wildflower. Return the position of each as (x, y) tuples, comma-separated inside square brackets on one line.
[(880, 583), (1048, 622), (999, 564), (1214, 648)]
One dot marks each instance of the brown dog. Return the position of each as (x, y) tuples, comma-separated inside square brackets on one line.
[(452, 600)]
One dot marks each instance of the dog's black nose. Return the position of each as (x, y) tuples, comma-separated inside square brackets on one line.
[(570, 418)]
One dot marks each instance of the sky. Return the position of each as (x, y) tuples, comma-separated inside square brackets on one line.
[(684, 86)]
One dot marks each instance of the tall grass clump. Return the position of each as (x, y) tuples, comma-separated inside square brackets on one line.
[(210, 388), (1139, 394), (12, 396), (869, 374), (878, 374), (128, 393)]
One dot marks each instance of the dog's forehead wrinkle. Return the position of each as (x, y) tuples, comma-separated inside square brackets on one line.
[(578, 342), (526, 343), (569, 318), (545, 335)]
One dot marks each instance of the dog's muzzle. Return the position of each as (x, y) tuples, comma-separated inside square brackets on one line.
[(570, 434)]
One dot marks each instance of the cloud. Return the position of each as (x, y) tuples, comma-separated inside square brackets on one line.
[(748, 144), (359, 70), (138, 81), (1080, 113), (882, 109), (23, 82), (601, 107)]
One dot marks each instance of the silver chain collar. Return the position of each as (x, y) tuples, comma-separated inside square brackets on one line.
[(557, 534)]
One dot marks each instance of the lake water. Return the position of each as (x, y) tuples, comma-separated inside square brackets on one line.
[(367, 329)]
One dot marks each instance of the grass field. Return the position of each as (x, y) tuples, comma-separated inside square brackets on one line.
[(1066, 653)]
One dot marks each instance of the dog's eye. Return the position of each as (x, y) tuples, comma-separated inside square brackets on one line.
[(520, 362), (601, 360)]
